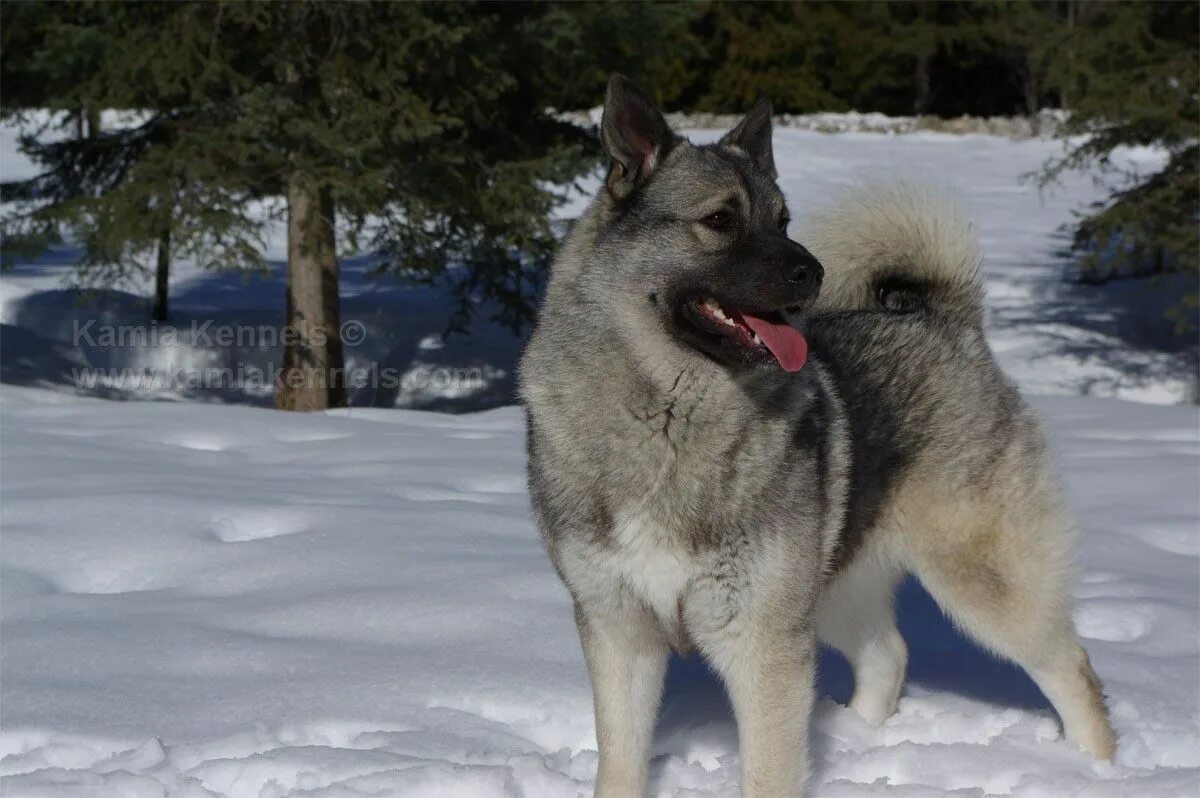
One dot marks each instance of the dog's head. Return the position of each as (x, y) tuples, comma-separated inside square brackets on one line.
[(696, 236)]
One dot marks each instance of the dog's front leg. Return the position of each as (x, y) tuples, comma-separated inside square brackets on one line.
[(754, 620), (769, 674), (626, 659)]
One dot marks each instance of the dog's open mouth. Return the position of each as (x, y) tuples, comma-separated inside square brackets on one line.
[(754, 331)]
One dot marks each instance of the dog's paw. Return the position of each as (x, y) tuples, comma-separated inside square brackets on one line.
[(873, 709)]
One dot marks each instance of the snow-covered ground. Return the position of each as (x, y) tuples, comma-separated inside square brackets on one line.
[(207, 598), (251, 603), (1047, 122)]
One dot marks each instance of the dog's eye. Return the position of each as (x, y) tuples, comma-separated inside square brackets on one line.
[(784, 221), (720, 221)]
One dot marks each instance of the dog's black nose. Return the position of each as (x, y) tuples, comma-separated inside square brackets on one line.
[(806, 270), (800, 274)]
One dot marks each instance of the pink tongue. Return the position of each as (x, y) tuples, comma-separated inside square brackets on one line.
[(785, 341)]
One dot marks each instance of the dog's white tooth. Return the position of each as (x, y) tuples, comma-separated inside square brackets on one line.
[(711, 304), (720, 314), (728, 321), (757, 340)]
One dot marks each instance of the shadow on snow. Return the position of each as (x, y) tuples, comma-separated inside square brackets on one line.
[(404, 358), (696, 714), (404, 346)]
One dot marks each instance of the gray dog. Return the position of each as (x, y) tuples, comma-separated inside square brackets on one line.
[(702, 482)]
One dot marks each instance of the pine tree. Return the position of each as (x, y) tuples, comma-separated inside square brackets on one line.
[(820, 56), (780, 49), (416, 131), (133, 202), (134, 196), (1026, 36), (1133, 73), (651, 42)]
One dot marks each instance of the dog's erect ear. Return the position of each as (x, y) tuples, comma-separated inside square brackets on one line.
[(634, 134), (753, 136)]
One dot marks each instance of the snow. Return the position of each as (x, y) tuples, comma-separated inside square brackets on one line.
[(252, 603), (203, 597), (1047, 123)]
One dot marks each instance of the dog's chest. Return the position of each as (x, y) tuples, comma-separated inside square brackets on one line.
[(654, 566), (651, 566)]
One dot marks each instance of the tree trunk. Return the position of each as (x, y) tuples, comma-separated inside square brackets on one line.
[(1063, 96), (162, 274), (87, 122), (924, 94), (1029, 88), (313, 375), (93, 121)]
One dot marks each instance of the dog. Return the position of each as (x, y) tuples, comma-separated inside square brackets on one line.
[(726, 457)]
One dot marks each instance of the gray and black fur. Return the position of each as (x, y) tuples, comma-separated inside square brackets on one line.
[(899, 248), (693, 495)]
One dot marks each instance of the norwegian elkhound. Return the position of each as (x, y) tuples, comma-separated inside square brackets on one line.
[(725, 457)]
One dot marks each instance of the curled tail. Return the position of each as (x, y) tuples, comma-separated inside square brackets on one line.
[(893, 246)]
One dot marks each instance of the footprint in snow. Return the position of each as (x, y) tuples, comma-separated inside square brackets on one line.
[(200, 441), (259, 525)]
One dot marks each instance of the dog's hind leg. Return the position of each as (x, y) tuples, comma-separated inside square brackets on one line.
[(856, 617), (1000, 570)]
